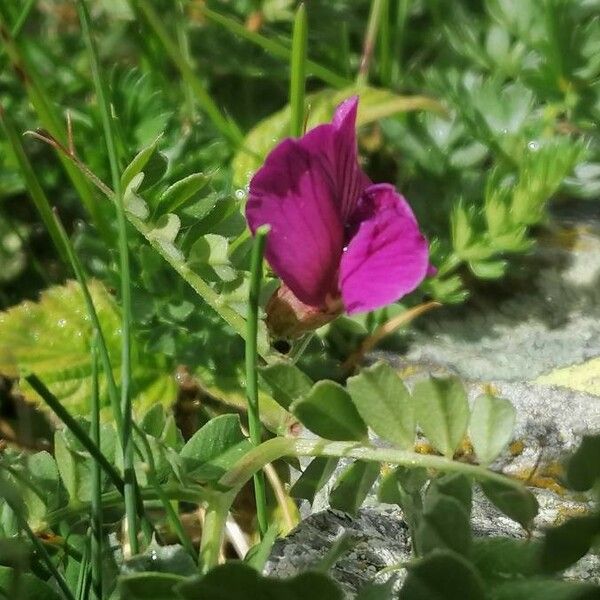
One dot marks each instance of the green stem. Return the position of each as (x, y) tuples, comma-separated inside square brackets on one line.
[(276, 448), (96, 506), (370, 39), (225, 125), (298, 72), (213, 530), (399, 41), (385, 49), (254, 423), (275, 48), (126, 408)]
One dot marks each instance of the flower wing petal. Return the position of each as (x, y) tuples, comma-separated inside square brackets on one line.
[(294, 193), (387, 257)]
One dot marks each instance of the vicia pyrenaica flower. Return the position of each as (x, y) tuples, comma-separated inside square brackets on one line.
[(337, 241)]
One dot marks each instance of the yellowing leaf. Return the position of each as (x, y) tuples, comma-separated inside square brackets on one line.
[(584, 377)]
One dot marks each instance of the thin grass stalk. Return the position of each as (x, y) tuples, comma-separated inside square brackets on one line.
[(403, 7), (126, 408), (298, 72), (274, 48), (385, 45), (254, 424), (225, 125), (14, 503), (96, 508), (18, 26), (49, 119), (370, 41)]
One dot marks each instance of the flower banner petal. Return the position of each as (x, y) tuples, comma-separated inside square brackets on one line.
[(294, 193), (387, 257)]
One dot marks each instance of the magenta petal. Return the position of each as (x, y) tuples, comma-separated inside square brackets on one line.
[(294, 194), (387, 257)]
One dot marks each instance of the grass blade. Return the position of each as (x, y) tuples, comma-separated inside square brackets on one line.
[(298, 72), (370, 40)]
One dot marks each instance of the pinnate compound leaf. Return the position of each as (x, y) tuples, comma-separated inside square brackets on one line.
[(214, 448), (353, 485), (52, 338), (443, 575), (314, 477), (384, 403), (491, 427), (287, 382), (516, 502), (442, 411), (238, 581), (328, 411)]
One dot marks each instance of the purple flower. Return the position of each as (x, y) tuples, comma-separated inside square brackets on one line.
[(334, 234)]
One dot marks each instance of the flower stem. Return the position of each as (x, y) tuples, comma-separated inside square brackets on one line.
[(298, 72), (254, 423)]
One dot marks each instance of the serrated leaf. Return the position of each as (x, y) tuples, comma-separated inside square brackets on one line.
[(516, 502), (353, 485), (385, 404), (214, 448), (182, 191), (52, 338), (314, 477), (287, 382), (374, 104), (564, 545), (442, 412), (443, 575), (328, 411), (491, 427)]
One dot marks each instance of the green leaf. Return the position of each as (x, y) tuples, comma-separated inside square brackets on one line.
[(442, 412), (210, 258), (52, 338), (376, 591), (153, 422), (149, 586), (353, 485), (178, 194), (328, 411), (444, 525), (491, 427), (384, 403), (456, 486), (237, 581), (516, 502), (374, 104), (138, 164), (442, 575), (24, 586), (214, 448), (545, 589), (287, 382), (501, 558), (490, 269), (583, 468), (314, 477), (564, 545)]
